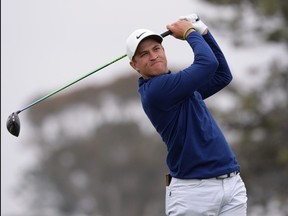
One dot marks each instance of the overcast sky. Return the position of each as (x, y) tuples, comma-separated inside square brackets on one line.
[(46, 44)]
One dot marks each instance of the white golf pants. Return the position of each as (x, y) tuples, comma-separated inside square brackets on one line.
[(206, 197)]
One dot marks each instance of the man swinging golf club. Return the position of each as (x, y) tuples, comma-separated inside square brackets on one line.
[(205, 178)]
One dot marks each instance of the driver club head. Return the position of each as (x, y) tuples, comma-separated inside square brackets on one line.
[(13, 124)]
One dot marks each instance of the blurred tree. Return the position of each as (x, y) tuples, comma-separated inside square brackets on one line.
[(274, 24), (117, 168), (259, 120)]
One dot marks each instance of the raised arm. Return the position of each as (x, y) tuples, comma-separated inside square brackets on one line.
[(222, 77)]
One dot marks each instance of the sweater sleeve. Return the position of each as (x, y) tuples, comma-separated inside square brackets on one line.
[(173, 88), (222, 77)]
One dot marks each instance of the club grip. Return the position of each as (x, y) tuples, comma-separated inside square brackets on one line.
[(164, 34)]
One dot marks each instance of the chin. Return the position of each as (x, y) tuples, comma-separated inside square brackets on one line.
[(160, 68)]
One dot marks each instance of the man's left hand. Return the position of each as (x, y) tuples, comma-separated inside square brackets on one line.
[(196, 22)]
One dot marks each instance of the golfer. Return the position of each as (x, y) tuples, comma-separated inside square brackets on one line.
[(205, 175)]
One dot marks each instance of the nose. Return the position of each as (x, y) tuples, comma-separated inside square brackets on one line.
[(153, 55)]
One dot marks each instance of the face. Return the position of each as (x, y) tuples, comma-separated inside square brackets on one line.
[(150, 59)]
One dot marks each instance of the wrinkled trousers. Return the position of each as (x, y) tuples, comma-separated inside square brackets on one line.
[(206, 197)]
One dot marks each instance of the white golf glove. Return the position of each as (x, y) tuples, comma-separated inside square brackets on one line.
[(195, 20)]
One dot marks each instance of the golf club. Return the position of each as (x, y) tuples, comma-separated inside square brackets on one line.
[(13, 121)]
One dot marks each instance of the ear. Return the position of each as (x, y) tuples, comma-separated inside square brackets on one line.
[(133, 65)]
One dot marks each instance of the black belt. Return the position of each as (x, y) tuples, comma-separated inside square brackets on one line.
[(169, 178), (228, 175)]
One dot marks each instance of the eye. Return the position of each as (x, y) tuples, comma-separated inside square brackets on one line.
[(157, 48), (142, 54)]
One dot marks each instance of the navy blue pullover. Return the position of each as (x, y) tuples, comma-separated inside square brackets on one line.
[(197, 149)]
